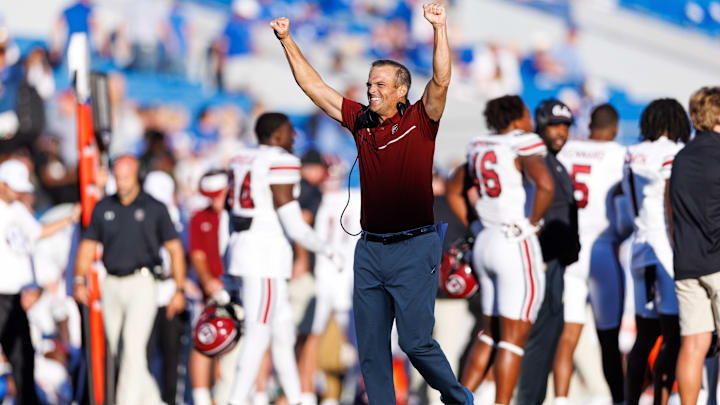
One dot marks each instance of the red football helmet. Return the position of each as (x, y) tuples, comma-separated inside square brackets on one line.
[(457, 278), (218, 329)]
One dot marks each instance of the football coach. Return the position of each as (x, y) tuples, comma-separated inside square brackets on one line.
[(397, 258)]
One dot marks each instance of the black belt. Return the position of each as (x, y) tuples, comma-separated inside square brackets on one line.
[(144, 270), (399, 236)]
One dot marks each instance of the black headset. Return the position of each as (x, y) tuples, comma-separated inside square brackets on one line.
[(370, 119)]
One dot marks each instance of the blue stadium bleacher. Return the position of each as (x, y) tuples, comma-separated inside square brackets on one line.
[(699, 15)]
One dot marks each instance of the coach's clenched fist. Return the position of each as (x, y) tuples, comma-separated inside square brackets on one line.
[(434, 13), (281, 26)]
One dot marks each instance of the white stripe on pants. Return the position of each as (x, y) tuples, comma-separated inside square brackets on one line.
[(268, 314), (129, 306)]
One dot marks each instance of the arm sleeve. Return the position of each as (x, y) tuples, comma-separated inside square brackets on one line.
[(529, 144), (299, 231), (284, 169), (166, 229), (94, 229), (350, 110), (428, 127)]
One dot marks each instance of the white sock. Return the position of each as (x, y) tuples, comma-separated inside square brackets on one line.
[(329, 402), (561, 401), (201, 396), (260, 398), (308, 398)]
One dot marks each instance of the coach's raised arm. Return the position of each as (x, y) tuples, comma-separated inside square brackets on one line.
[(330, 101)]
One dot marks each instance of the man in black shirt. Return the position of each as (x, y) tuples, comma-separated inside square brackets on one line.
[(560, 245), (131, 226), (695, 228)]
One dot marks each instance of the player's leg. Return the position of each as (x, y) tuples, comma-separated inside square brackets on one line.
[(648, 330), (664, 371), (307, 364), (135, 383), (259, 300), (373, 312), (612, 363), (509, 357), (563, 365), (481, 355), (698, 304), (517, 311), (200, 377), (283, 345), (483, 349), (606, 286), (575, 302), (413, 285)]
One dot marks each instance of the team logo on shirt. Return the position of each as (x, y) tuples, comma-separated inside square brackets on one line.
[(139, 214), (206, 227), (109, 215), (395, 128)]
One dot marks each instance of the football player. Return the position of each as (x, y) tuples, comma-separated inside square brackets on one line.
[(262, 196), (664, 127), (506, 253), (596, 168)]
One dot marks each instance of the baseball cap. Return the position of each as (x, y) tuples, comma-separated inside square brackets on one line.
[(213, 183), (552, 112), (15, 174)]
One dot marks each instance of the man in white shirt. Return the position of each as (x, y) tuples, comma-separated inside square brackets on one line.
[(18, 232)]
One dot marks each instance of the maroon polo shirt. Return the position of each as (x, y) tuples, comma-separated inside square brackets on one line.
[(396, 160), (204, 236)]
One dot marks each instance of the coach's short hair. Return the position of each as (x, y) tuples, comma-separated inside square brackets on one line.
[(269, 123), (604, 116), (665, 116), (402, 75), (705, 108), (502, 111)]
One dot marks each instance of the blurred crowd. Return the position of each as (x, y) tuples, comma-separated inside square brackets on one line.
[(164, 39)]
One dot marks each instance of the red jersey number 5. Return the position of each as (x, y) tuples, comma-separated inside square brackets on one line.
[(579, 173)]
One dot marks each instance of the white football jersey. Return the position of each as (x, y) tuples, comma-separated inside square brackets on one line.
[(263, 250), (647, 168), (596, 169), (252, 171), (493, 170)]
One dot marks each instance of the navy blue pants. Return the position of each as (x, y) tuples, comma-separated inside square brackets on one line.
[(399, 281)]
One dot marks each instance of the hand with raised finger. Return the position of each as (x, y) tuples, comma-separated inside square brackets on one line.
[(281, 26), (434, 13)]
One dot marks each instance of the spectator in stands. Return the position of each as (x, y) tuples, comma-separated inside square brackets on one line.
[(175, 39), (235, 46), (11, 75), (78, 17), (57, 178), (495, 71), (142, 32), (19, 231)]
